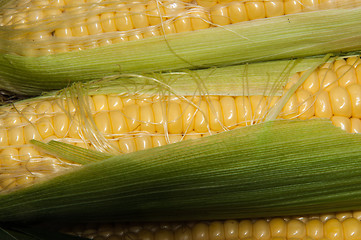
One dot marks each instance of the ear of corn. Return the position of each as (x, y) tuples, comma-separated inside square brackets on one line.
[(262, 39), (49, 27), (316, 171), (332, 226), (131, 112)]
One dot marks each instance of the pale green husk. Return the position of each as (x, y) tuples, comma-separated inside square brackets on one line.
[(264, 78), (276, 168), (306, 34)]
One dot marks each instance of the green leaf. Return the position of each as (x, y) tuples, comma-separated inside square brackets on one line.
[(23, 232), (275, 168), (71, 153)]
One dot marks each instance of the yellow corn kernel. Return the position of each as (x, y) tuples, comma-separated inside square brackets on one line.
[(216, 231), (127, 144), (138, 16), (143, 142), (115, 102), (220, 16), (312, 84), (94, 24), (199, 19), (342, 122), (347, 75), (290, 109), (61, 125), (343, 215), (261, 230), (155, 13), (314, 229), (9, 158), (327, 4), (306, 108), (3, 137), (296, 229), (102, 122), (201, 121), (145, 234), (231, 230), (244, 111), (123, 22), (351, 228), (338, 63), (131, 113), (200, 232), (259, 108), (333, 229), (274, 8), (26, 153), (16, 136), (323, 107), (206, 3), (183, 24), (188, 114), (174, 118), (309, 5), (183, 233), (292, 6), (215, 115), (255, 9), (355, 125), (354, 61), (147, 118), (278, 227), (237, 12), (327, 79), (229, 111), (354, 91)]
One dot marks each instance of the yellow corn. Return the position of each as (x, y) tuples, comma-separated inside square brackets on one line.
[(60, 26), (333, 226), (124, 123)]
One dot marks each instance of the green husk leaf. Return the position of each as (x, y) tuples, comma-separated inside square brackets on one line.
[(307, 34), (71, 152), (280, 167), (20, 232), (265, 78)]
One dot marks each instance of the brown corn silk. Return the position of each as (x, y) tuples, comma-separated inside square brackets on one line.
[(43, 27), (137, 119), (341, 226)]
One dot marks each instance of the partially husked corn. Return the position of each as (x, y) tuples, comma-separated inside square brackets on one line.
[(340, 226), (127, 123), (42, 27)]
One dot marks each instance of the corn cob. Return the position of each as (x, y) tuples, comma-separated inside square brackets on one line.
[(333, 226), (124, 123), (57, 26)]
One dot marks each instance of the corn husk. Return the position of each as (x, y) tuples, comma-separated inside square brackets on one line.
[(311, 33), (276, 168), (24, 232)]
